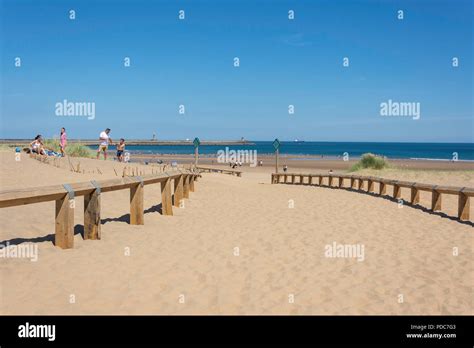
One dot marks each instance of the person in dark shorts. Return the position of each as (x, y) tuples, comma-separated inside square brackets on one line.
[(120, 149)]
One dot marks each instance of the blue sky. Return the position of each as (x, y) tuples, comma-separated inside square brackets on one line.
[(282, 62)]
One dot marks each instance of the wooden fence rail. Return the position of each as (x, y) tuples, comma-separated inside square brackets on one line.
[(64, 196), (219, 170), (337, 180)]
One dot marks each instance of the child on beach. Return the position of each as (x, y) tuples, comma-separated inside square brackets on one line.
[(63, 141), (120, 149), (105, 140)]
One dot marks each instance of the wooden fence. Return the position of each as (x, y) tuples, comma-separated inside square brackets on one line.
[(357, 182), (219, 170), (63, 195)]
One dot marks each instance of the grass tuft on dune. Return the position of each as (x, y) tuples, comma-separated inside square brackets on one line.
[(370, 161), (73, 150)]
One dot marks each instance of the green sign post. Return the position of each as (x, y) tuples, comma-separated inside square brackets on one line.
[(276, 146), (196, 143)]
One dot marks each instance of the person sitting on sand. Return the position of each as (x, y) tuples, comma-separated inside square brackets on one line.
[(120, 149), (37, 145), (105, 140), (63, 142)]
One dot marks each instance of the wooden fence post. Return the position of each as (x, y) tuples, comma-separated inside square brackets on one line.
[(415, 195), (360, 183), (310, 180), (382, 188), (186, 186), (463, 206), (166, 207), (435, 200), (178, 190), (64, 223), (353, 182), (136, 204), (330, 180), (370, 185), (292, 178), (191, 183), (341, 182), (397, 191), (92, 214), (320, 180), (301, 179)]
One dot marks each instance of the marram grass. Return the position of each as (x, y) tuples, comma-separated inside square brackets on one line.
[(370, 161), (73, 150)]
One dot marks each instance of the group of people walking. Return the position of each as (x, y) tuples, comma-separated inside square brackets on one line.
[(37, 145)]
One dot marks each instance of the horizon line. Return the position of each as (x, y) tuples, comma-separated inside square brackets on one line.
[(250, 141)]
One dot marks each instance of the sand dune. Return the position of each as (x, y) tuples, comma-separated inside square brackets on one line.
[(191, 257)]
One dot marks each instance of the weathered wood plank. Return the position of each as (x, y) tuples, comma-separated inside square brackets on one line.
[(10, 198), (220, 170)]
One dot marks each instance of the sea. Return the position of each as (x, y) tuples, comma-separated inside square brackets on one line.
[(311, 150)]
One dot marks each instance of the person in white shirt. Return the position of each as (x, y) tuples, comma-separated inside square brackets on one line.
[(105, 140)]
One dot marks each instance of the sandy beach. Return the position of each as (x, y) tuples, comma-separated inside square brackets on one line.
[(237, 247)]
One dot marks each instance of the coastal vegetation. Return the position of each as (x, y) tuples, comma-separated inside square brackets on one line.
[(370, 161), (73, 150)]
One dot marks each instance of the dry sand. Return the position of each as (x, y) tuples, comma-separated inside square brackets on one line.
[(408, 251), (310, 164)]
